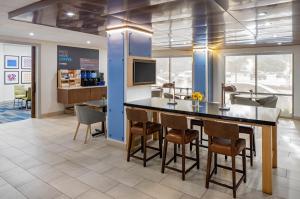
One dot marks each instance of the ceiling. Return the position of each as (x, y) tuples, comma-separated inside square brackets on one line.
[(12, 30), (179, 24)]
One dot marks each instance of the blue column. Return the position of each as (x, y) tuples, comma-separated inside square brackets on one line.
[(203, 72), (121, 44), (115, 79)]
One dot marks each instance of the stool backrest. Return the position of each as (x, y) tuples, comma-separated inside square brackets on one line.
[(174, 121), (136, 115), (221, 130)]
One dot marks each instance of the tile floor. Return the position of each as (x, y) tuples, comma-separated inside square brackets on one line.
[(39, 159)]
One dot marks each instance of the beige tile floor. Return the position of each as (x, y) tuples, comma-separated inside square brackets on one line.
[(39, 159)]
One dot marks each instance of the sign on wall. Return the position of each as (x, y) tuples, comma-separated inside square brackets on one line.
[(72, 58)]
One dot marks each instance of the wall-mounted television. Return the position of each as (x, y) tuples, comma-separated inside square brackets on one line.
[(144, 72)]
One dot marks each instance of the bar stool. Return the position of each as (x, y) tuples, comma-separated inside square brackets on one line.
[(252, 148), (223, 138), (242, 129), (178, 133), (140, 126), (199, 123)]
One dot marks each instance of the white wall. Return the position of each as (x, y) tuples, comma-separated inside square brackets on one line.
[(219, 68), (7, 91)]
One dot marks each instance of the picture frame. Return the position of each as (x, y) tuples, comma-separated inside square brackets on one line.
[(25, 77), (11, 77), (26, 62), (11, 62)]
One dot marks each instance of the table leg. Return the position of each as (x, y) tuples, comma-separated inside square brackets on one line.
[(274, 146), (267, 159)]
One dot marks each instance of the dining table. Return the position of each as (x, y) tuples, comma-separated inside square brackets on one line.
[(262, 117)]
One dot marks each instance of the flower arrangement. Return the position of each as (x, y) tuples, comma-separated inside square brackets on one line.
[(197, 96)]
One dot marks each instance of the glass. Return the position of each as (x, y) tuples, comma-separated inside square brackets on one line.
[(240, 72), (181, 71), (162, 71), (275, 73)]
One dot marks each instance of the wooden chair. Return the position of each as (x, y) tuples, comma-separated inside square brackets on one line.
[(199, 123), (140, 126), (178, 133), (223, 138)]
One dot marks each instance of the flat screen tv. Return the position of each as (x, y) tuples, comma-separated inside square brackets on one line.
[(144, 72)]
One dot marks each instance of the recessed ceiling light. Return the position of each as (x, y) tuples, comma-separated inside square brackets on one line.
[(31, 34), (279, 43), (70, 14), (262, 14), (172, 39), (88, 42)]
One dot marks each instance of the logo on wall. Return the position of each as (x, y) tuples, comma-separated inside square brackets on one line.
[(64, 58)]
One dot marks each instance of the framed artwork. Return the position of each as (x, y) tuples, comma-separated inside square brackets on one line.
[(11, 62), (25, 77), (11, 77), (26, 62)]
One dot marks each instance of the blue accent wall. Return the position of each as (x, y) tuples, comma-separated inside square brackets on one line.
[(203, 73), (139, 44), (116, 86), (199, 80)]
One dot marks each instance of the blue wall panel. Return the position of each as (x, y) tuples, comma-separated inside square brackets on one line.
[(116, 86), (199, 80), (139, 44)]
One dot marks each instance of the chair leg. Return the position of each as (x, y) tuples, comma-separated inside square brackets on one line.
[(87, 132), (208, 166), (191, 146), (201, 134), (183, 161), (175, 152), (197, 153), (14, 103), (129, 147), (160, 142), (254, 146), (233, 177), (76, 131), (216, 163), (145, 148), (142, 144), (244, 165), (164, 156), (251, 149)]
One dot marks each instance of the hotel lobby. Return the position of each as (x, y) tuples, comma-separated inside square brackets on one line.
[(157, 99)]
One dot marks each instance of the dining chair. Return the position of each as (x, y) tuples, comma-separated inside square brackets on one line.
[(156, 93), (177, 132), (27, 99), (19, 93), (170, 96), (248, 130), (139, 125), (199, 123), (223, 138), (270, 101), (88, 116)]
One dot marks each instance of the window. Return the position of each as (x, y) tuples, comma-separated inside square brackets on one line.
[(240, 72), (270, 74), (162, 71), (178, 69), (181, 71)]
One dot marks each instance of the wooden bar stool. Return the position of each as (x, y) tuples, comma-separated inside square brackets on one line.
[(140, 126), (199, 123), (223, 138), (178, 133), (252, 149)]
